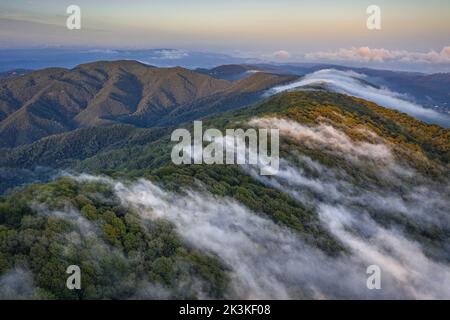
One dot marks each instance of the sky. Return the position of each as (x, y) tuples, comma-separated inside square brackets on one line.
[(290, 30)]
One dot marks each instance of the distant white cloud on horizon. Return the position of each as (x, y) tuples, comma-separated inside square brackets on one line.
[(281, 55), (366, 54), (171, 54)]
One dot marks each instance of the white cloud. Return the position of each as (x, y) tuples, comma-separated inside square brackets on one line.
[(281, 55), (328, 139), (344, 209), (16, 284), (170, 54), (334, 185), (349, 82), (366, 54), (269, 261)]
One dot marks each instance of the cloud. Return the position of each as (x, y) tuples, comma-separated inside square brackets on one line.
[(241, 238), (281, 55), (366, 54), (170, 54), (328, 139), (413, 195), (16, 284), (84, 226), (350, 83), (346, 209), (251, 245), (269, 261), (400, 259), (373, 154)]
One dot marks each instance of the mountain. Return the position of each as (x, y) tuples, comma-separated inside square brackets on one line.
[(56, 100), (234, 72), (37, 104), (429, 90), (353, 189), (91, 142), (86, 179), (70, 58)]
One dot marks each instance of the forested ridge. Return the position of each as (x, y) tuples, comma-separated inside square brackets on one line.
[(46, 227)]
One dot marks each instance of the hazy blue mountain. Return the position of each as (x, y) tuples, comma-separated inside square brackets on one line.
[(69, 58)]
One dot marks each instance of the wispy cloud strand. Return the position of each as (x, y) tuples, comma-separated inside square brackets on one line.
[(351, 83), (366, 54)]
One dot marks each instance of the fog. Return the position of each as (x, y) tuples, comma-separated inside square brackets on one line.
[(267, 260), (352, 83), (413, 195), (16, 284), (329, 140), (345, 208)]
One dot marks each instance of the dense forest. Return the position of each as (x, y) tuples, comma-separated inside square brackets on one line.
[(46, 227)]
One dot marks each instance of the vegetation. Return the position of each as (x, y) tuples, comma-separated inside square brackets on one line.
[(48, 227), (55, 100), (121, 254)]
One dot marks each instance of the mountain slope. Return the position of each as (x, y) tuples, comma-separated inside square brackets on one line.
[(121, 146), (433, 140), (53, 101), (358, 185), (429, 90)]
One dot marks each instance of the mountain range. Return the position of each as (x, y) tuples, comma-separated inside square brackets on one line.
[(87, 179), (430, 90), (57, 100)]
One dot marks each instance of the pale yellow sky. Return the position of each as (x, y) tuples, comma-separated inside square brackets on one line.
[(248, 25)]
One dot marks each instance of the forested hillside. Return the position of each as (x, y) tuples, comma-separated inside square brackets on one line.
[(56, 100), (357, 184)]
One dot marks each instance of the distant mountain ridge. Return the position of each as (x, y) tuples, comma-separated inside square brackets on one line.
[(430, 90), (37, 104), (56, 100)]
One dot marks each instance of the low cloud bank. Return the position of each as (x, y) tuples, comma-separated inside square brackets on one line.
[(372, 154), (16, 284), (366, 54), (268, 261), (406, 191), (347, 211), (349, 82), (328, 139)]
